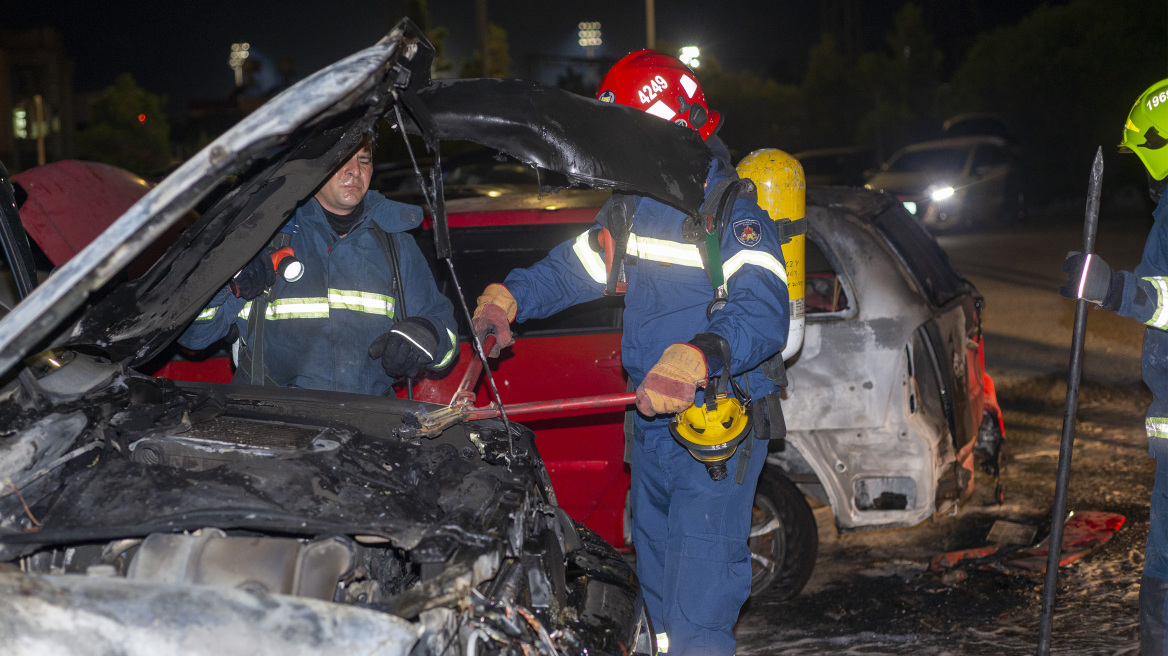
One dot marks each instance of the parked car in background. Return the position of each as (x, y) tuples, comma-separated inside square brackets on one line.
[(978, 124), (960, 183), (844, 166)]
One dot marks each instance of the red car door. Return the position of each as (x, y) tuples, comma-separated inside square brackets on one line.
[(574, 353)]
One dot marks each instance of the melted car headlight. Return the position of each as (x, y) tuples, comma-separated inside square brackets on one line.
[(942, 193)]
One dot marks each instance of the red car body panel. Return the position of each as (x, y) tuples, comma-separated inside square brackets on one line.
[(71, 202), (584, 451)]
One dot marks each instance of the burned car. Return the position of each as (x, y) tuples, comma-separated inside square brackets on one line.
[(141, 515)]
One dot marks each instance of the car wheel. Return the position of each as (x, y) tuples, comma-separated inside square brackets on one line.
[(784, 538)]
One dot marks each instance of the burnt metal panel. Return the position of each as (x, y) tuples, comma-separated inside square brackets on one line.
[(599, 144)]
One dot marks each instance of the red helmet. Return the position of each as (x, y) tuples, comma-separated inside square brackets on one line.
[(662, 86)]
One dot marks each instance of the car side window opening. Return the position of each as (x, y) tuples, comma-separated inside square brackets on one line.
[(938, 160), (927, 387), (921, 255), (988, 156), (486, 254), (825, 293)]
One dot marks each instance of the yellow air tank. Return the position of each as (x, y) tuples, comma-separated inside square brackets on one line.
[(782, 192)]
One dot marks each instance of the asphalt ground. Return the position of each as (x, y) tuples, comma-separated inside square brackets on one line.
[(873, 592)]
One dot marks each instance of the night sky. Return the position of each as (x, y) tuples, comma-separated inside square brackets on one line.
[(181, 48)]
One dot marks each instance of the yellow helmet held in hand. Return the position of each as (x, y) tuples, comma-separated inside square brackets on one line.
[(712, 431)]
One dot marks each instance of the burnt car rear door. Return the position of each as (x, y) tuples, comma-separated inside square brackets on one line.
[(947, 342)]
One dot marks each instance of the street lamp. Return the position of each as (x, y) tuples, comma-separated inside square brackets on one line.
[(239, 52), (689, 56), (589, 36)]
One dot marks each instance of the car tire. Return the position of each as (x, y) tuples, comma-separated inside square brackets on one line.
[(784, 538)]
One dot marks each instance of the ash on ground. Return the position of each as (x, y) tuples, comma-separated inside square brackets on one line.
[(873, 592)]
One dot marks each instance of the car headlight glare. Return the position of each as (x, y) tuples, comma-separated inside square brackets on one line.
[(942, 193), (910, 206)]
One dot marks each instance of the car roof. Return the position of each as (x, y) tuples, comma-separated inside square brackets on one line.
[(955, 142), (828, 152)]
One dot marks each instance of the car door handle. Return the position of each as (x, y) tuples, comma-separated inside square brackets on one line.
[(613, 362)]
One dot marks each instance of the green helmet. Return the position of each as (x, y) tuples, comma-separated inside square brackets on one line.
[(1146, 131)]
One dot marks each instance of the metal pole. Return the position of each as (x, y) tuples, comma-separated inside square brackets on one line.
[(483, 32), (1058, 515), (558, 405), (650, 25), (39, 103)]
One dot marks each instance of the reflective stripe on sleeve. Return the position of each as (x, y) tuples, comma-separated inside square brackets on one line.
[(1160, 318), (207, 314), (1157, 427), (590, 259), (449, 354), (757, 258)]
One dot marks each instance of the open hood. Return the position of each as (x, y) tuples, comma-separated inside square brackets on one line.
[(281, 153)]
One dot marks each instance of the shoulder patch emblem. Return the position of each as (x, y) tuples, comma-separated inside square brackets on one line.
[(748, 232)]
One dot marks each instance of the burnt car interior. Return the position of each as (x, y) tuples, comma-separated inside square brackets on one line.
[(116, 483), (488, 254)]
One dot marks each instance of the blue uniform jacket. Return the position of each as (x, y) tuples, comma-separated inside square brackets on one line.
[(668, 289), (318, 329), (1145, 298)]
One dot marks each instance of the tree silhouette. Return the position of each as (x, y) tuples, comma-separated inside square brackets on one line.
[(129, 129)]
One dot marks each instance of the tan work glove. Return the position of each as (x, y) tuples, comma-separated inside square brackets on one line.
[(494, 313), (672, 382)]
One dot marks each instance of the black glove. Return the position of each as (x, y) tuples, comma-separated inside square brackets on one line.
[(715, 348), (407, 348), (257, 276), (1089, 278)]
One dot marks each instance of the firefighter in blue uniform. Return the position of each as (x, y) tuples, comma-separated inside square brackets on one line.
[(360, 310), (690, 531), (1143, 295)]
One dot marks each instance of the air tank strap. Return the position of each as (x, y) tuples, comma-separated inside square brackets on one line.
[(251, 359), (788, 229), (706, 230)]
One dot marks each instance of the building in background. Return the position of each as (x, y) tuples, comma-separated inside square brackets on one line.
[(37, 114)]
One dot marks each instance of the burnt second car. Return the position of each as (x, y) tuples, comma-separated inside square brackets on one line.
[(144, 516)]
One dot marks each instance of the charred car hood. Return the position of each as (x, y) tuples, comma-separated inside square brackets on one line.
[(281, 153), (291, 461)]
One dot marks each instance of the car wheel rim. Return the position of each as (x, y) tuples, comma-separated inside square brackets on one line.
[(768, 542)]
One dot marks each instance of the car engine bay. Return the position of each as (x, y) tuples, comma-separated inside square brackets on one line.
[(280, 494)]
